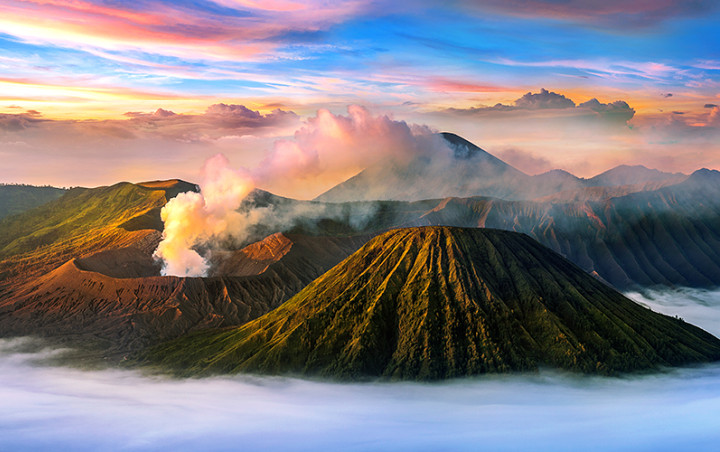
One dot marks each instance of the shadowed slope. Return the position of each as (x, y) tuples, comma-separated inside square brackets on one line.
[(15, 199), (440, 302), (669, 236)]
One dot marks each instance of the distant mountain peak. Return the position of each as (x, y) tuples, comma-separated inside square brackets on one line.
[(633, 174), (472, 171), (706, 174)]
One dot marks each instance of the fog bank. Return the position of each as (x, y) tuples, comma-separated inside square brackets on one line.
[(55, 408), (696, 306)]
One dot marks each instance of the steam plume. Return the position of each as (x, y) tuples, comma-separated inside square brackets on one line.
[(192, 219), (328, 149)]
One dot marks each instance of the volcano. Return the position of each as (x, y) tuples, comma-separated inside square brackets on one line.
[(467, 170), (440, 302)]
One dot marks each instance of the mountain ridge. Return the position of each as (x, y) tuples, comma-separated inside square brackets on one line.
[(18, 198), (472, 171), (440, 302)]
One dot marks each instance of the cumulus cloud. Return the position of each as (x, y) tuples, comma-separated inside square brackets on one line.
[(614, 111), (218, 120), (552, 103), (331, 147), (18, 122), (543, 100)]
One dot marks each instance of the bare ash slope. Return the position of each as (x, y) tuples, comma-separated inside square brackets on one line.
[(81, 268)]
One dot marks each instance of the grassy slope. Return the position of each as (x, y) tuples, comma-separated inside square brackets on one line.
[(80, 222), (428, 303), (15, 199)]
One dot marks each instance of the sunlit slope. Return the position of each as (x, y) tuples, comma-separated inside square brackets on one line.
[(81, 222), (15, 199), (441, 302), (116, 296)]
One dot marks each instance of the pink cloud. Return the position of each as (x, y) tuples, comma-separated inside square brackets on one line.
[(169, 30), (524, 161), (440, 84)]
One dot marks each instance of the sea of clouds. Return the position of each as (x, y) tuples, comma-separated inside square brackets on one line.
[(45, 407)]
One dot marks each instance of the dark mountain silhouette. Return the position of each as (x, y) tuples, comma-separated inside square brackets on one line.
[(438, 302)]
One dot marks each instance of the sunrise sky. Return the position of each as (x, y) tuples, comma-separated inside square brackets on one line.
[(95, 92)]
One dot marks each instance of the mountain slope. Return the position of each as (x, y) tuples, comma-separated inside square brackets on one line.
[(633, 174), (430, 303), (118, 297), (81, 222), (467, 171), (669, 236), (15, 199)]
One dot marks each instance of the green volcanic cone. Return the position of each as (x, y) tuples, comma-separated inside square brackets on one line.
[(442, 302)]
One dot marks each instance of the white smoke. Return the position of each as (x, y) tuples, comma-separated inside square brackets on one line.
[(193, 219), (328, 149)]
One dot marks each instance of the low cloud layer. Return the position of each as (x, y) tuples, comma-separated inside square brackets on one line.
[(51, 408), (585, 138), (524, 161), (699, 307), (143, 146), (591, 136), (218, 120)]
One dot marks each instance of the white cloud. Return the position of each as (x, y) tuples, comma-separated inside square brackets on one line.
[(55, 408)]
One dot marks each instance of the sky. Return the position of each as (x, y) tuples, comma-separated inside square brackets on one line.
[(96, 92)]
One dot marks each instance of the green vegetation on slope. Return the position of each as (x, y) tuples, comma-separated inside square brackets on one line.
[(80, 222), (441, 302), (15, 199)]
